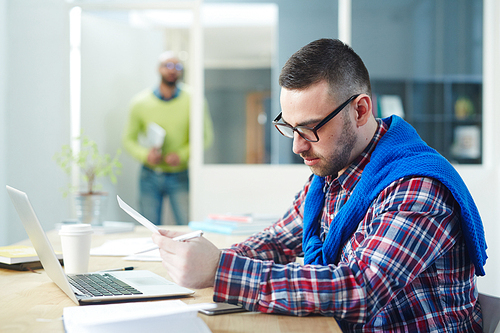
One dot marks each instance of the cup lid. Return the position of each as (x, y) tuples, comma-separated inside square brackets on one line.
[(76, 229)]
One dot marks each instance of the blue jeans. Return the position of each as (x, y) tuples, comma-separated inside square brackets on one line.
[(154, 186)]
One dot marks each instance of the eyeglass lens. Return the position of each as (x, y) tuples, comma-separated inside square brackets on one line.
[(304, 132), (171, 65)]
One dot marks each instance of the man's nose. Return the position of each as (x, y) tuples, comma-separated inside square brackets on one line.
[(300, 144)]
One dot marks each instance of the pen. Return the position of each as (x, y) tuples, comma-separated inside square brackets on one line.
[(186, 237), (181, 238), (119, 269)]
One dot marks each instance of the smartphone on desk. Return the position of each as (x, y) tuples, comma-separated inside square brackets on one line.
[(223, 308)]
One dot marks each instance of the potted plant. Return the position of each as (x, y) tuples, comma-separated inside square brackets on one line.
[(89, 201)]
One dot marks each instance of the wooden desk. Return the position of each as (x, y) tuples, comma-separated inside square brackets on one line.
[(31, 302)]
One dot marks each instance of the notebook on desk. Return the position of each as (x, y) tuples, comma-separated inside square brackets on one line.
[(133, 285)]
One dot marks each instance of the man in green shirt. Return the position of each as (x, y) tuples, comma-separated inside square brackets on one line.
[(165, 167)]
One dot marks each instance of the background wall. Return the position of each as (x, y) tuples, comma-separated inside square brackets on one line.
[(35, 120), (485, 182), (3, 134)]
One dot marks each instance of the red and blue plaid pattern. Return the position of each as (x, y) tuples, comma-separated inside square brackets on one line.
[(405, 269)]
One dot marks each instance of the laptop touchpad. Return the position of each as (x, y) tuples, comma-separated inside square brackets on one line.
[(148, 281)]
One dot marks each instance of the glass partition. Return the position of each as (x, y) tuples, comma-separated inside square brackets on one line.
[(240, 51), (425, 62), (119, 50)]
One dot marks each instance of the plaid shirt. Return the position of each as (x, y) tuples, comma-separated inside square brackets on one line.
[(405, 268)]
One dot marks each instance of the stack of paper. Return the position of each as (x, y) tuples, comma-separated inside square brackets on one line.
[(129, 248), (230, 224), (21, 257), (159, 316)]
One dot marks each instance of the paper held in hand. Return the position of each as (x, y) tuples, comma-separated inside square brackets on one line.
[(153, 228), (138, 217), (156, 135)]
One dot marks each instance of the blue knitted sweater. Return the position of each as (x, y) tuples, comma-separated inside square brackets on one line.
[(399, 153)]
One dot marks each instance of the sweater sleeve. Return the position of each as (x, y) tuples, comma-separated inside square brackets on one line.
[(131, 134)]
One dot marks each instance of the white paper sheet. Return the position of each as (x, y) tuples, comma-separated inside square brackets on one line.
[(158, 316), (138, 217), (153, 255), (156, 135), (122, 247)]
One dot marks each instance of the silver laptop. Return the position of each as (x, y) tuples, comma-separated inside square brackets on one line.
[(132, 285)]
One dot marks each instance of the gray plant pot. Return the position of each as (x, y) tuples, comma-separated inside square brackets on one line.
[(90, 208)]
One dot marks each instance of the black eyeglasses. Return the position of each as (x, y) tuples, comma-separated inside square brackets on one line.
[(307, 133)]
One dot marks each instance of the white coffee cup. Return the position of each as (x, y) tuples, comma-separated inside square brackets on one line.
[(75, 242)]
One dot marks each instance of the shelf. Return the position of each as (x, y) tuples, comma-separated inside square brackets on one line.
[(445, 111)]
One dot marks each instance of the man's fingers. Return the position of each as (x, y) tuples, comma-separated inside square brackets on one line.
[(170, 233), (165, 234), (171, 268), (172, 263), (164, 243), (169, 256), (192, 263)]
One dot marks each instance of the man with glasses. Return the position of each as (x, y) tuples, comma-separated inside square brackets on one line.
[(164, 111), (390, 235)]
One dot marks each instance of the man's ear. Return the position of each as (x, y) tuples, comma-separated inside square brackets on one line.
[(363, 108)]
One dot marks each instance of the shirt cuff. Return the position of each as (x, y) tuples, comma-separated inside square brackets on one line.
[(237, 280)]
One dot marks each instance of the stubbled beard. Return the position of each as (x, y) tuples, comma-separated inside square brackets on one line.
[(169, 83), (340, 158)]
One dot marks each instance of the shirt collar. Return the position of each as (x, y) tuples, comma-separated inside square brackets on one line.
[(351, 176), (157, 93)]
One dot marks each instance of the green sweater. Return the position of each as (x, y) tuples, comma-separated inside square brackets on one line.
[(173, 116)]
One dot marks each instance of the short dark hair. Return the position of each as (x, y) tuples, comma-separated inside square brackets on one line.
[(330, 60)]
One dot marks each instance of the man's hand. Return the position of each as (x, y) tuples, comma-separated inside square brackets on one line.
[(154, 156), (172, 159), (192, 263)]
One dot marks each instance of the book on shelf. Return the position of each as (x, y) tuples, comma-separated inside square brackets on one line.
[(232, 224), (21, 257)]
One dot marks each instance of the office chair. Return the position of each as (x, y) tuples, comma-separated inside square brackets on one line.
[(490, 307)]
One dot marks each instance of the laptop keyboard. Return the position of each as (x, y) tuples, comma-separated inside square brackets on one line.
[(97, 285)]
